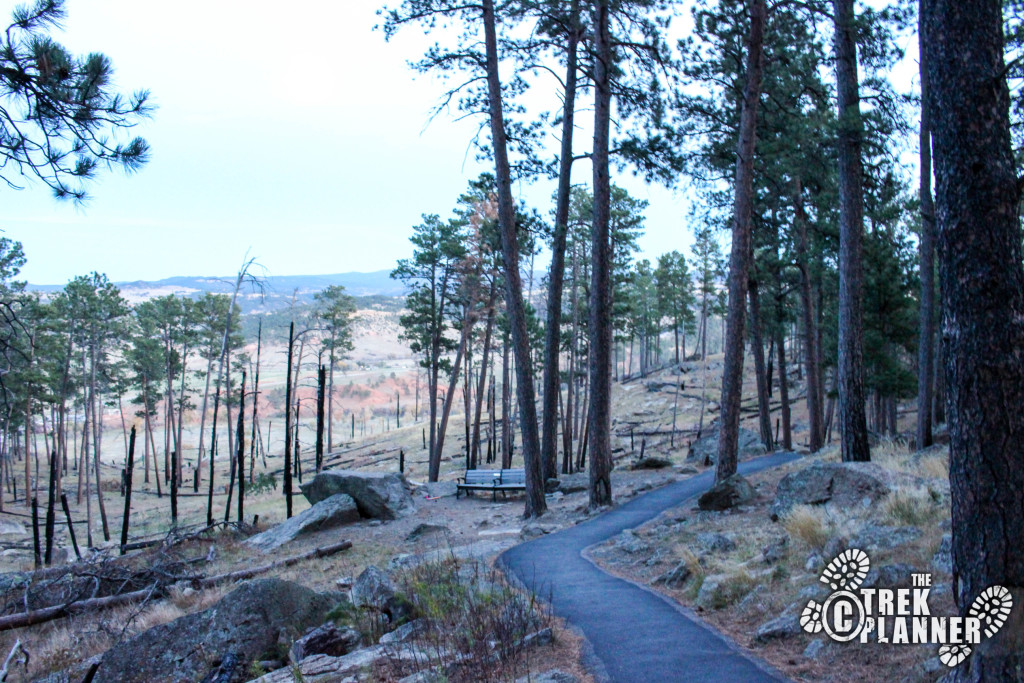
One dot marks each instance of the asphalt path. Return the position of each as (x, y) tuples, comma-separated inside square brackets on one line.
[(637, 635)]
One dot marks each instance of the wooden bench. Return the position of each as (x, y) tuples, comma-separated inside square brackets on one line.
[(492, 480)]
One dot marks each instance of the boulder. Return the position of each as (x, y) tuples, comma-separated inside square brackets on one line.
[(327, 639), (374, 590), (846, 484), (705, 449), (651, 462), (247, 624), (628, 542), (727, 494), (378, 495), (331, 512), (551, 484)]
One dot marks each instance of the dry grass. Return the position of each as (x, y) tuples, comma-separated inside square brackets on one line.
[(806, 524), (913, 506)]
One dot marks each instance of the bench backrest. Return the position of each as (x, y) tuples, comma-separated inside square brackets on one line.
[(514, 476), (482, 476)]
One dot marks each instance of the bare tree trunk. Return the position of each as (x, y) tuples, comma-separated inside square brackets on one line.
[(482, 383), (787, 430), (926, 343), (288, 424), (732, 372), (811, 359), (97, 421), (852, 420), (202, 419), (552, 339), (760, 374)]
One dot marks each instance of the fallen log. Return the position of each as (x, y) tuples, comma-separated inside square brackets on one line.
[(45, 614)]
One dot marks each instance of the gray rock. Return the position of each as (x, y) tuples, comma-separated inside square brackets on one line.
[(535, 529), (439, 489), (628, 542), (406, 632), (890, 576), (814, 648), (545, 636), (783, 626), (686, 469), (651, 462), (328, 513), (727, 494), (776, 551), (720, 590), (675, 577), (716, 542), (846, 484), (374, 590), (942, 561), (247, 623), (425, 529), (551, 485), (327, 639), (378, 495), (705, 449), (877, 537), (347, 669), (551, 676), (574, 483)]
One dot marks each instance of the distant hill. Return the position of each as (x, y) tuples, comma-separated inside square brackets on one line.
[(278, 293)]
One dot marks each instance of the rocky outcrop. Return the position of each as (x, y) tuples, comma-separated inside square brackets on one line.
[(848, 484), (378, 495), (330, 512), (246, 625)]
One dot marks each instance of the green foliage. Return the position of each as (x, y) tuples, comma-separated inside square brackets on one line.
[(60, 113)]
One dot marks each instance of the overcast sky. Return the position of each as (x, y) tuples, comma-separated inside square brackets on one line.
[(291, 130)]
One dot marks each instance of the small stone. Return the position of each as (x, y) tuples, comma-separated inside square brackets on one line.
[(716, 542), (542, 637), (676, 576), (425, 529), (776, 551), (814, 563), (942, 561)]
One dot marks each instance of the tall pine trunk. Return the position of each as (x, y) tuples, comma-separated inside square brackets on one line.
[(926, 343), (599, 412), (982, 280), (853, 426), (516, 310), (816, 436), (732, 372)]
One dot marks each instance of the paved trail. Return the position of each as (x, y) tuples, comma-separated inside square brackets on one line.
[(637, 634)]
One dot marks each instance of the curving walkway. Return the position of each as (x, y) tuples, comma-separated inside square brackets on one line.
[(637, 634)]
